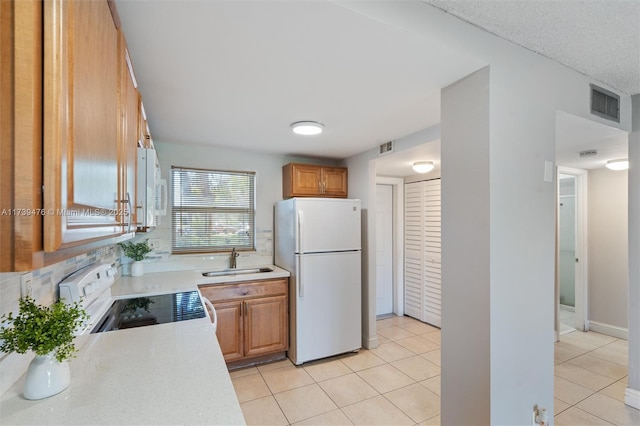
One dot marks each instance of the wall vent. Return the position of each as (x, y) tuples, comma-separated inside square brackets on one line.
[(386, 148), (588, 153), (604, 103)]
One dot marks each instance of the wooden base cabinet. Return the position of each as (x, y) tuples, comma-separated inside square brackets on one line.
[(253, 318), (230, 329), (308, 180)]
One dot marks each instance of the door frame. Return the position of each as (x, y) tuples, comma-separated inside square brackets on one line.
[(398, 240), (582, 266)]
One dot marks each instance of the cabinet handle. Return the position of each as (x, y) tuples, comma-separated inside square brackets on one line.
[(241, 309), (245, 308), (130, 213)]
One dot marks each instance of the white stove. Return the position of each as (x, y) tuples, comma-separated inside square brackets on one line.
[(91, 286)]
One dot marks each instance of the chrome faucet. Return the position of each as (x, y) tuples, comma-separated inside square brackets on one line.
[(234, 257)]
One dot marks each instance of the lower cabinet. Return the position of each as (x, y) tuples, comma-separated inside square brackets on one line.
[(253, 320)]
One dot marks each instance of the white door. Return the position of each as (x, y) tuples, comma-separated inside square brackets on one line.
[(384, 249)]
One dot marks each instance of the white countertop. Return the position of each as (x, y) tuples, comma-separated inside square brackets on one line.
[(163, 374), (172, 281)]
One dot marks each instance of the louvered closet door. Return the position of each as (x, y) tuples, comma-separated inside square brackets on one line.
[(432, 293), (413, 250)]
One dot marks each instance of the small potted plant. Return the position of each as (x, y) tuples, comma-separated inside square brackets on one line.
[(49, 332), (137, 252)]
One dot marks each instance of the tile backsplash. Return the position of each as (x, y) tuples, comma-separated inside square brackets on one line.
[(44, 285), (161, 259), (44, 281)]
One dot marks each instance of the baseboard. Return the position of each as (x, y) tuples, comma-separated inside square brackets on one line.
[(609, 330), (632, 398), (370, 343)]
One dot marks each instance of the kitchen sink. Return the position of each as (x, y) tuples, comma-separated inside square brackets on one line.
[(236, 272)]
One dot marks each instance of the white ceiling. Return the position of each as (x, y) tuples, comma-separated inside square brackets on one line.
[(598, 38), (237, 73)]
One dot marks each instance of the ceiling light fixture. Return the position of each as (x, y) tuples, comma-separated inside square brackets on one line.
[(307, 128), (423, 166), (619, 164)]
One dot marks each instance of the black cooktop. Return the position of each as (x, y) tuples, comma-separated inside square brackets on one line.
[(151, 310)]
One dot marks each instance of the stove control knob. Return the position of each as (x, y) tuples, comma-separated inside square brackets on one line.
[(91, 287)]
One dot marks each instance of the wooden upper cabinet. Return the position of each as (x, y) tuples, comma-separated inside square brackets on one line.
[(21, 136), (81, 82), (128, 113), (308, 180)]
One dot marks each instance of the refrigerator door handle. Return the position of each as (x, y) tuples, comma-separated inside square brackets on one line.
[(299, 278), (300, 231)]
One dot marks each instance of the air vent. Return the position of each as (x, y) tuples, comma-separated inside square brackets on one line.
[(386, 148), (605, 104), (588, 153)]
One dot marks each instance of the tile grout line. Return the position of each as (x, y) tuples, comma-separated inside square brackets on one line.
[(594, 392)]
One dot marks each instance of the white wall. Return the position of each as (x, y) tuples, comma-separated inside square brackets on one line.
[(268, 169), (608, 247), (466, 251), (362, 185), (526, 90), (632, 394)]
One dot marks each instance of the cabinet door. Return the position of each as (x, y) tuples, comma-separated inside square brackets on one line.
[(266, 325), (305, 180), (80, 123), (334, 182), (128, 119), (20, 134), (230, 329)]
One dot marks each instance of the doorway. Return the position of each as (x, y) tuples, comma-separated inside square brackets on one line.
[(567, 252), (384, 250), (572, 252), (393, 242)]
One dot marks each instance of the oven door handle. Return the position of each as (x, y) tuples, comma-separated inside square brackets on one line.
[(213, 310)]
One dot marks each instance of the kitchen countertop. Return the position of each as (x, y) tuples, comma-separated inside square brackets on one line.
[(163, 374), (168, 282)]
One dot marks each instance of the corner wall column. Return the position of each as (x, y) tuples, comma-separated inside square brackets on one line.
[(632, 393)]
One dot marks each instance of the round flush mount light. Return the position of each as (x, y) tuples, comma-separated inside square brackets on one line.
[(619, 164), (423, 166), (307, 128)]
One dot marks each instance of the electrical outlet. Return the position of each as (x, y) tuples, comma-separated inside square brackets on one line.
[(26, 284), (154, 243)]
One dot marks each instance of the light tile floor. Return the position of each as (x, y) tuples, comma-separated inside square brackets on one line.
[(567, 320), (399, 383)]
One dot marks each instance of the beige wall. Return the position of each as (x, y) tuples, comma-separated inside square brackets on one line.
[(608, 247)]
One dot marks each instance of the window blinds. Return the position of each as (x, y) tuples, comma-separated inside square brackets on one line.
[(212, 210)]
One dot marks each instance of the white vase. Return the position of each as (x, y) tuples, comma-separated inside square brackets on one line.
[(137, 268), (46, 377)]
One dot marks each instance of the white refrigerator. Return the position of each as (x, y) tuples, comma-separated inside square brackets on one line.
[(318, 241)]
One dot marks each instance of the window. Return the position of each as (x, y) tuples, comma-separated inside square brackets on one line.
[(212, 210)]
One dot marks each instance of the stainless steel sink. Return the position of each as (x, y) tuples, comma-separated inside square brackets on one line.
[(236, 272)]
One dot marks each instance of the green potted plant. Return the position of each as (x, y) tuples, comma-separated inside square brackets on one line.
[(49, 332), (137, 252)]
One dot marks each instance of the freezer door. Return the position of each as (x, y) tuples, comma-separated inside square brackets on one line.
[(326, 306), (325, 225)]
